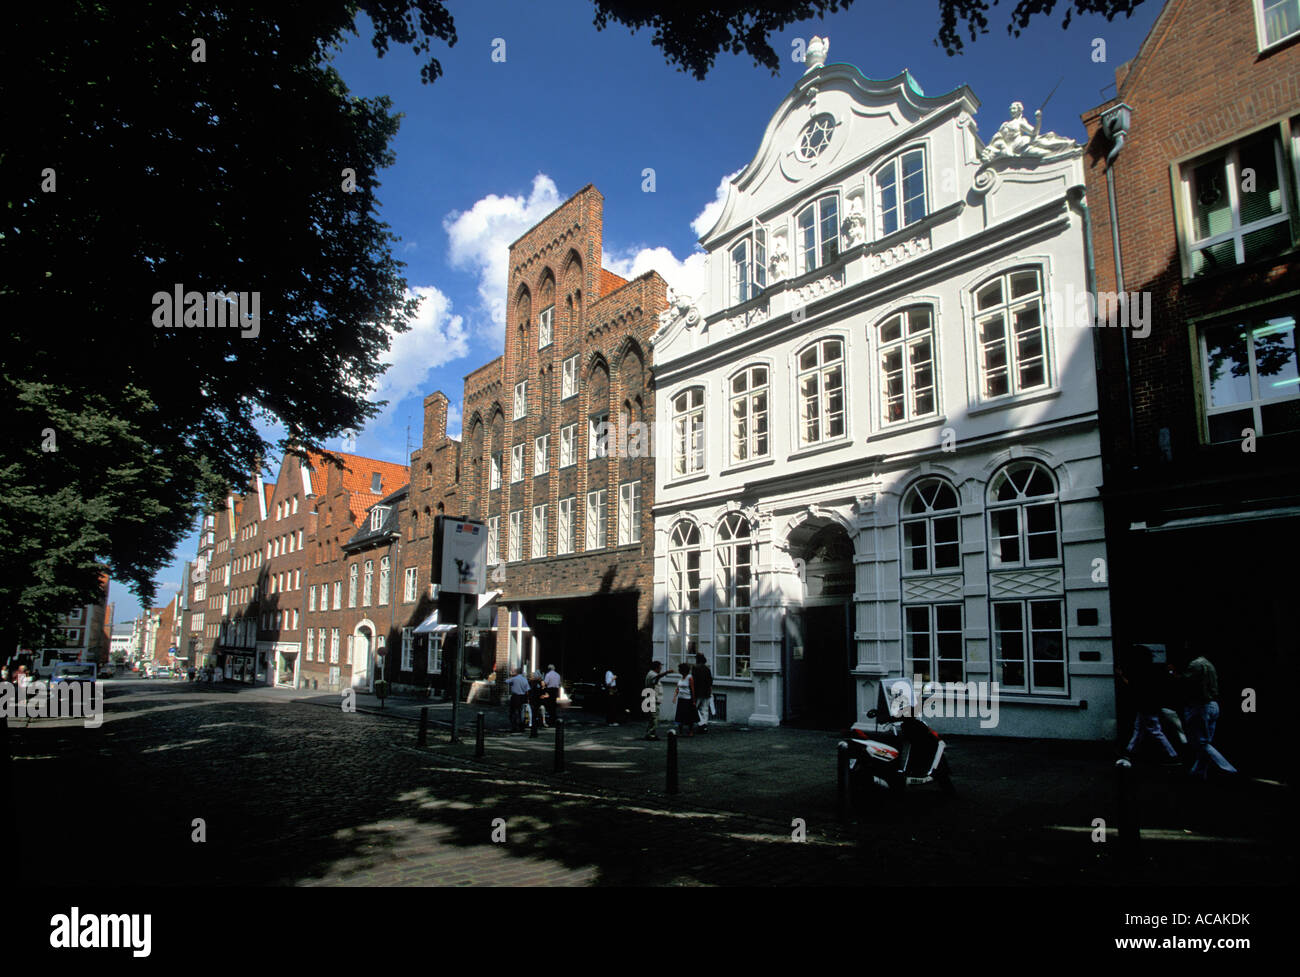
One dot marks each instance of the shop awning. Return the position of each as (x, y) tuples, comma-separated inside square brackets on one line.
[(431, 625), (485, 599)]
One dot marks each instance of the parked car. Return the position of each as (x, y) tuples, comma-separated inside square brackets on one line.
[(74, 672)]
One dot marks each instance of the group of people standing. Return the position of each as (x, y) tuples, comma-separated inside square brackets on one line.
[(540, 692), (693, 697), (1154, 683)]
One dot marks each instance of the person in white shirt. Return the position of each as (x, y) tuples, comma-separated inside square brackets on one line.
[(551, 692)]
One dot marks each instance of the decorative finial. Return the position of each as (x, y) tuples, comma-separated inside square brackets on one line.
[(815, 56)]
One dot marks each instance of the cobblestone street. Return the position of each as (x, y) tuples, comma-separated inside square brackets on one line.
[(294, 794)]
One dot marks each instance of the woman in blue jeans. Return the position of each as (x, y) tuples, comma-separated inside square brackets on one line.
[(1201, 715)]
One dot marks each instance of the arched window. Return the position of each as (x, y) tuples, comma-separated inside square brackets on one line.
[(352, 586), (688, 431), (1023, 528), (931, 536), (733, 562), (683, 593), (748, 398), (821, 392), (907, 380), (383, 581)]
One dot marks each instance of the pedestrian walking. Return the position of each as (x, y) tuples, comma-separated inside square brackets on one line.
[(653, 682), (611, 698), (535, 698), (21, 679), (551, 684), (1201, 715), (518, 686), (702, 681), (1145, 678), (686, 716)]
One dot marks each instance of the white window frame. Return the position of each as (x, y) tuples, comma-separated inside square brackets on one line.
[(546, 327), (353, 573), (564, 526), (334, 646), (933, 670), (928, 491), (747, 266), (1021, 505), (1255, 326), (367, 583), (569, 378), (521, 400), (629, 513), (538, 541), (514, 532), (494, 540), (1261, 26), (821, 371), (385, 579), (517, 463), (541, 454), (410, 584), (1009, 343), (433, 655), (568, 445), (894, 167), (904, 346), (598, 435), (494, 470), (745, 416), (733, 602), (408, 649), (338, 595), (597, 519), (688, 432), (685, 556), (826, 238), (311, 642), (1027, 659)]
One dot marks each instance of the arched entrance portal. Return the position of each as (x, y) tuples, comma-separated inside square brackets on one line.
[(819, 643), (363, 657)]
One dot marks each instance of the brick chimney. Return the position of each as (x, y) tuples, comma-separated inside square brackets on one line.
[(435, 418)]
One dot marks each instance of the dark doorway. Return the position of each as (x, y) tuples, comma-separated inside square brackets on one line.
[(819, 659)]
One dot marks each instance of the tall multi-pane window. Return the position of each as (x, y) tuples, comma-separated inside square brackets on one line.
[(564, 527), (311, 599), (546, 327), (932, 642), (513, 535), (733, 561), (749, 414), (1238, 204), (1023, 527), (1029, 645), (749, 267), (494, 540), (384, 575), (433, 655), (629, 513), (352, 586), (569, 378), (817, 241), (408, 649), (907, 381), (1251, 376), (821, 392), (900, 191), (411, 584), (568, 445), (517, 463), (539, 532), (931, 528), (338, 595), (334, 647), (688, 431), (597, 519), (521, 399), (367, 583), (598, 435), (1012, 334), (311, 642), (683, 594), (541, 454), (494, 470)]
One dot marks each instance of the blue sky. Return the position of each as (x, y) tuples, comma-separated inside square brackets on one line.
[(493, 146)]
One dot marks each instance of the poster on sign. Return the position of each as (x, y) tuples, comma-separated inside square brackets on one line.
[(464, 557)]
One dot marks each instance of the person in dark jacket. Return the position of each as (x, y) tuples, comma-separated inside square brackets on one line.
[(1145, 679), (703, 691)]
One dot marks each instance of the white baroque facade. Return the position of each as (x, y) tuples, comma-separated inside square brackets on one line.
[(880, 453)]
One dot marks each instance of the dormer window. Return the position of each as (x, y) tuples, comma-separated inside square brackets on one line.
[(377, 516), (818, 241), (900, 191), (749, 266)]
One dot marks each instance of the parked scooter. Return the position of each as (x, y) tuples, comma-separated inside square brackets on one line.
[(902, 751)]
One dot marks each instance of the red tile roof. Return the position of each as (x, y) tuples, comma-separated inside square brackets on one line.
[(609, 281), (357, 473)]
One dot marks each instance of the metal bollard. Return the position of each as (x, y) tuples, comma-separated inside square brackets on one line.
[(672, 761), (559, 745), (479, 726), (423, 738), (1130, 836)]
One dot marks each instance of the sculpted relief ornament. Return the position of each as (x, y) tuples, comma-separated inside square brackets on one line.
[(1016, 138), (854, 228), (679, 306)]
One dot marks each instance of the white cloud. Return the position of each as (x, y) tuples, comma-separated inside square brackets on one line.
[(687, 277), (435, 337), (480, 240), (707, 217)]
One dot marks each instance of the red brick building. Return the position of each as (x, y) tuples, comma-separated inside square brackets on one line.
[(1192, 184), (557, 456)]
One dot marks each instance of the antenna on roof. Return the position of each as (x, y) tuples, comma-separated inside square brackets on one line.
[(407, 457)]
